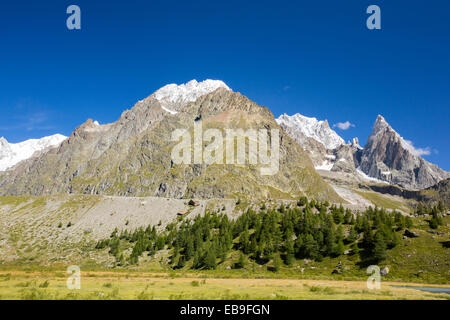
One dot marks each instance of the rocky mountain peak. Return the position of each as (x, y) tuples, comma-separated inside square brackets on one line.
[(355, 144), (380, 125), (389, 157), (5, 149), (13, 153), (133, 156), (306, 127), (173, 97)]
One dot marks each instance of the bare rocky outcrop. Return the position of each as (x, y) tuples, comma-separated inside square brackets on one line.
[(388, 157), (431, 195)]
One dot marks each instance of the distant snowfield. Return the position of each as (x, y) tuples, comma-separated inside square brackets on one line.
[(185, 93), (312, 128), (13, 153)]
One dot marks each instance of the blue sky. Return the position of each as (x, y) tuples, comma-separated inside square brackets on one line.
[(312, 57)]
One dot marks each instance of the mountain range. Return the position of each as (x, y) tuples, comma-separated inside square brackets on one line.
[(132, 156), (386, 157)]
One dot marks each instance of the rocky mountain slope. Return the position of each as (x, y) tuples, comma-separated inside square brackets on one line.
[(13, 153), (389, 157), (310, 128), (386, 157), (431, 195), (132, 156), (326, 148)]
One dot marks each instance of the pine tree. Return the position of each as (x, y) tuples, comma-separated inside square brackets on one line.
[(352, 236), (289, 253), (276, 263), (379, 248), (241, 262), (355, 248), (122, 260), (408, 222), (330, 239), (310, 247), (436, 220), (339, 248), (181, 262), (197, 263), (441, 206), (348, 217), (302, 201), (210, 259), (244, 241)]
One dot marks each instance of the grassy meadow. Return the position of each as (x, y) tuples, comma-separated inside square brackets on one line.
[(129, 285)]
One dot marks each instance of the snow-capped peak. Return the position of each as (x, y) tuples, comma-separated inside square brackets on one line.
[(312, 128), (355, 144), (173, 96), (13, 153), (3, 141)]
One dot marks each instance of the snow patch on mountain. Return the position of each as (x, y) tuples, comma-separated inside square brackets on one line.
[(371, 179), (181, 95), (355, 144), (13, 153), (312, 128), (326, 166)]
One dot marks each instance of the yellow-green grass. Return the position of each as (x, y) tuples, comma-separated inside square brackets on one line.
[(135, 285), (383, 201)]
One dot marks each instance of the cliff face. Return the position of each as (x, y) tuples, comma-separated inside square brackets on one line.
[(431, 195), (388, 157)]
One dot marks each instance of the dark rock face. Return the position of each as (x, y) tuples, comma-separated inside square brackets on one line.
[(431, 195), (411, 234), (388, 157)]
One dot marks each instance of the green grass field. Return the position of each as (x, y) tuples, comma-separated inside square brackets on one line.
[(98, 285)]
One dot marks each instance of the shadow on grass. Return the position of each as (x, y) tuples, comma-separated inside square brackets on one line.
[(445, 244)]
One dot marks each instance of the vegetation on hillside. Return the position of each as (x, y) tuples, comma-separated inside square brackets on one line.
[(435, 211), (273, 237)]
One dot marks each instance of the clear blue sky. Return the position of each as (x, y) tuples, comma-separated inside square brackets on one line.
[(313, 57)]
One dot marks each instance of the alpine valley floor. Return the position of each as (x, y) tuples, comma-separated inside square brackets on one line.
[(130, 284), (41, 236)]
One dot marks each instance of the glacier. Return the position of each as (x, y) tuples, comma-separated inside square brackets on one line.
[(13, 153)]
